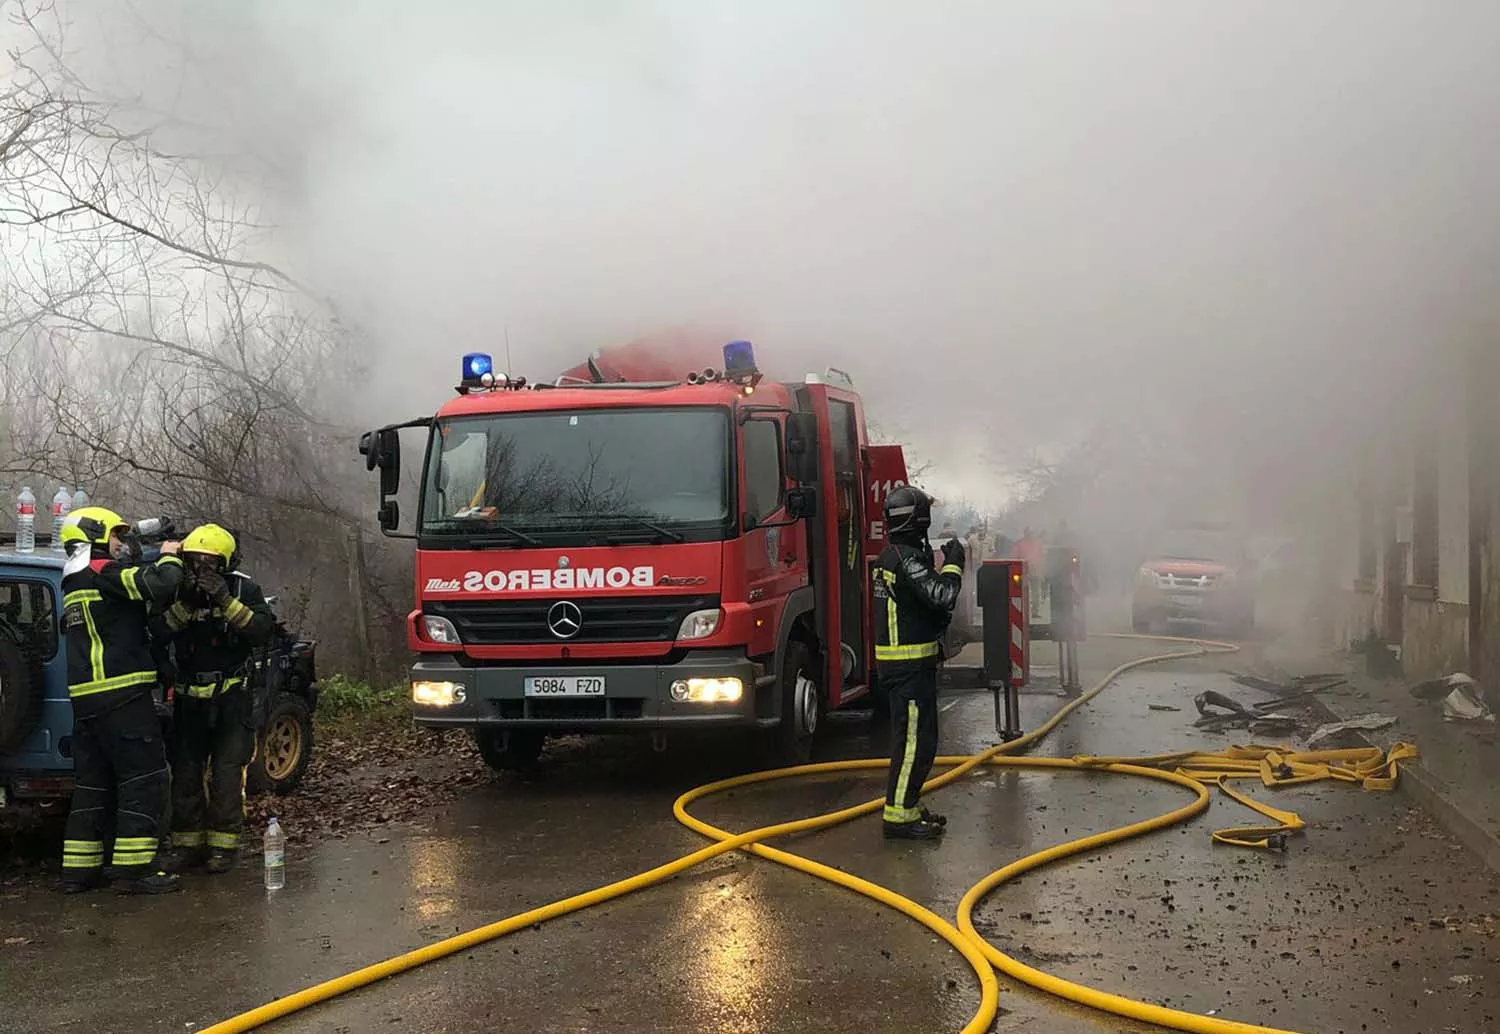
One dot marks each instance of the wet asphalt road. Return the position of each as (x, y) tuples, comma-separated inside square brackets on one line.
[(1372, 922)]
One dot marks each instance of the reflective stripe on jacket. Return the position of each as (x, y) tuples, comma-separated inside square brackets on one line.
[(913, 603), (106, 606), (211, 645)]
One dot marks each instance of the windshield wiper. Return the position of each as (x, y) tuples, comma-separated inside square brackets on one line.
[(649, 526), (481, 535)]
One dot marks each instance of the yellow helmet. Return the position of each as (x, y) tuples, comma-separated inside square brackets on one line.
[(210, 540), (92, 525)]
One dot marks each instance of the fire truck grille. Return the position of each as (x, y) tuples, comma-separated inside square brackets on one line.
[(638, 619)]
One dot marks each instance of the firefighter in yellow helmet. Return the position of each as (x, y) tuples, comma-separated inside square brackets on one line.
[(119, 759), (219, 619)]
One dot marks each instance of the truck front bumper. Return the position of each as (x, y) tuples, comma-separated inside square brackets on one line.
[(636, 696)]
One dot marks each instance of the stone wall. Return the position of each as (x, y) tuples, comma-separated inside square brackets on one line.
[(1435, 640)]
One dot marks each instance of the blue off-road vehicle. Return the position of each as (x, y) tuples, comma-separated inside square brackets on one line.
[(36, 718)]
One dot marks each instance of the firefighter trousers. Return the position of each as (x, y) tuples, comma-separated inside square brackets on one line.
[(121, 777), (911, 689), (215, 740)]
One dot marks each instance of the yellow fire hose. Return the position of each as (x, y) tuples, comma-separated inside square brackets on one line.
[(1193, 771)]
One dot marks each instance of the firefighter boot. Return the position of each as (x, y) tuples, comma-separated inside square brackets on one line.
[(934, 817), (181, 859), (81, 883), (220, 861), (151, 883), (921, 829)]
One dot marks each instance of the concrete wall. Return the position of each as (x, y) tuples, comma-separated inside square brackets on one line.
[(1436, 639), (1355, 618)]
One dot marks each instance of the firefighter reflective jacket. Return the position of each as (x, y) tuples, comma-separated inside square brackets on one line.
[(106, 607), (211, 645), (913, 603)]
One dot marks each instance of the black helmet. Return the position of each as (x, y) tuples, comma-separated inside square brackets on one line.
[(908, 510)]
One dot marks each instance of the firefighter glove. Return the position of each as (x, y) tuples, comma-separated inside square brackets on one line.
[(213, 586), (953, 553)]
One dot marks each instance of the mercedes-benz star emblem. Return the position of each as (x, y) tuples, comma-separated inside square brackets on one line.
[(564, 619)]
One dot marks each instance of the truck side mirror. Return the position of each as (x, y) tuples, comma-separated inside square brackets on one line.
[(389, 514), (369, 448), (802, 447), (802, 502), (389, 461)]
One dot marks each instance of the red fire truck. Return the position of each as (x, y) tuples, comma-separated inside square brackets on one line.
[(631, 549)]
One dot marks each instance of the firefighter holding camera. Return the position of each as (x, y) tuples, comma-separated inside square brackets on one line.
[(218, 621), (914, 604)]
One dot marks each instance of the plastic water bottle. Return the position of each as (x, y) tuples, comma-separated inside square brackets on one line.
[(26, 522), (62, 504), (275, 851), (80, 499)]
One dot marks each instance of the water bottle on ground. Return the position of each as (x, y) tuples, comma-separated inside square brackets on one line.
[(26, 522), (80, 499), (275, 851), (62, 505)]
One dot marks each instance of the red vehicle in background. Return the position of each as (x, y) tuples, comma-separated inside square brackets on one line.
[(1202, 574), (642, 546)]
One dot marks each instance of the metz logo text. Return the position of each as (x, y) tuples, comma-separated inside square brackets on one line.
[(543, 579)]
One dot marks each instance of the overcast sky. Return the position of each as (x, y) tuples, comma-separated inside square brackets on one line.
[(1007, 220)]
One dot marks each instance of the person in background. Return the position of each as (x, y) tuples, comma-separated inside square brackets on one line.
[(215, 625), (118, 753)]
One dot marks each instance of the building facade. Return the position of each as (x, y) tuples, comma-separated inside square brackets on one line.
[(1419, 550)]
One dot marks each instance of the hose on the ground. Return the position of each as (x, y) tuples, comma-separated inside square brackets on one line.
[(1190, 770)]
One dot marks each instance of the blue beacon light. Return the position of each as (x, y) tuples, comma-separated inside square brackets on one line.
[(476, 365), (739, 358)]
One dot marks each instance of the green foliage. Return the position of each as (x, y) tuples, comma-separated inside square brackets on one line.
[(343, 697)]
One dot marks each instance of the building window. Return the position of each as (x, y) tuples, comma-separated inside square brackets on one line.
[(1369, 544), (1424, 515)]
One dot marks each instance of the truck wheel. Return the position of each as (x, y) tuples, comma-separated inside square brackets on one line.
[(283, 747), (791, 742), (509, 750), (1139, 623), (16, 695)]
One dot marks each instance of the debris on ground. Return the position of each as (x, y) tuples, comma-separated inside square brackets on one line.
[(1163, 707), (358, 780), (1217, 712), (1359, 723), (1463, 700)]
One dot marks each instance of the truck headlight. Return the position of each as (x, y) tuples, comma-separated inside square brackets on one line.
[(438, 694), (707, 691), (1146, 576), (440, 630), (700, 624)]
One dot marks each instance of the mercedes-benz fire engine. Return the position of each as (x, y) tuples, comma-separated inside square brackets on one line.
[(626, 549)]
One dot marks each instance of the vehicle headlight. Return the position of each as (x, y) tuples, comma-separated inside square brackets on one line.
[(1146, 576), (707, 691), (438, 694), (700, 624), (440, 630)]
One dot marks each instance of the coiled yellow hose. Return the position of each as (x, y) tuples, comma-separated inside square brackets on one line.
[(1191, 772)]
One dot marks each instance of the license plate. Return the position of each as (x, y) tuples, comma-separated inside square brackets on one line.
[(1185, 601), (566, 686)]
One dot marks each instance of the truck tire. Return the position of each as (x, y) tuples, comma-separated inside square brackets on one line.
[(509, 750), (283, 746), (1140, 623), (17, 695), (802, 709)]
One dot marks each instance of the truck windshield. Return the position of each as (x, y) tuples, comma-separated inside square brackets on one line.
[(1196, 544), (575, 475)]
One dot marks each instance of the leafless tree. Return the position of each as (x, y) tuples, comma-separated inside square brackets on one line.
[(153, 354)]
